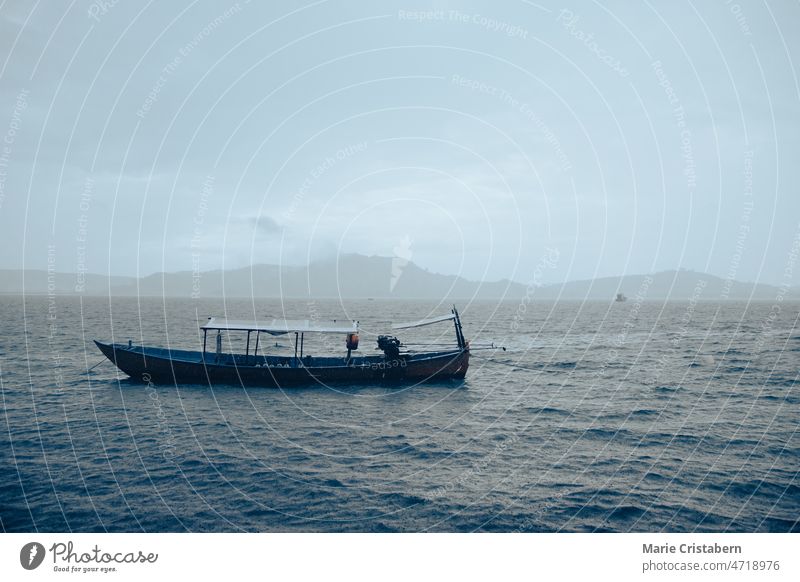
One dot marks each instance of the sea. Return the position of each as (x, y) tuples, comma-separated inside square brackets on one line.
[(635, 416)]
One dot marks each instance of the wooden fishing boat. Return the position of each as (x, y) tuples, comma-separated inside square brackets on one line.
[(396, 363)]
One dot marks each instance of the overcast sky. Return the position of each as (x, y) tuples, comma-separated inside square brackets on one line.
[(470, 137)]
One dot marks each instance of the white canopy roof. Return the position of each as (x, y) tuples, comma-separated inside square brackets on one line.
[(281, 326), (422, 322)]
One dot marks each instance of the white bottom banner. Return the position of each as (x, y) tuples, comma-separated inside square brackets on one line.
[(399, 556)]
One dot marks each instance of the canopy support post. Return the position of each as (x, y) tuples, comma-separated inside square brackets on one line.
[(247, 347), (295, 348), (205, 336), (459, 332), (255, 351), (302, 336)]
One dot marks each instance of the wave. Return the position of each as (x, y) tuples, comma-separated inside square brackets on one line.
[(668, 389), (546, 410), (607, 434), (403, 500), (372, 460), (779, 525), (562, 365), (626, 512), (399, 445), (646, 412)]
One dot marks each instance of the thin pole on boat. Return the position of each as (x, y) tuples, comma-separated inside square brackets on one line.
[(302, 335), (295, 348), (247, 348), (459, 332), (97, 364), (205, 334), (255, 351)]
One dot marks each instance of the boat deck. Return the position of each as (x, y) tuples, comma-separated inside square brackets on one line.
[(271, 361)]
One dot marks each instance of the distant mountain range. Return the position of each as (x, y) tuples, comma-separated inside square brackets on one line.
[(358, 276)]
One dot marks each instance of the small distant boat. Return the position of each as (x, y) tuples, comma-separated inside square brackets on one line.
[(620, 298), (395, 365)]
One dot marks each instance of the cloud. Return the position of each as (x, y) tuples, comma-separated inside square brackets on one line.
[(264, 225)]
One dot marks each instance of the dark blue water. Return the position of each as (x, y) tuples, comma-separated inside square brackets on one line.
[(599, 417)]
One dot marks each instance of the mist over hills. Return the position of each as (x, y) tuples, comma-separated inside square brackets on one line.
[(358, 276)]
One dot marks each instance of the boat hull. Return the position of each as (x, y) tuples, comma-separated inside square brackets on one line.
[(159, 365)]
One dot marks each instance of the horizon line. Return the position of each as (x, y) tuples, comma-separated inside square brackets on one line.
[(495, 281)]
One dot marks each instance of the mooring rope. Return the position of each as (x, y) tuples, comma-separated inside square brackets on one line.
[(97, 364)]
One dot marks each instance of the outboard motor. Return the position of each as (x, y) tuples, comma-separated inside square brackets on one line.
[(390, 346)]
